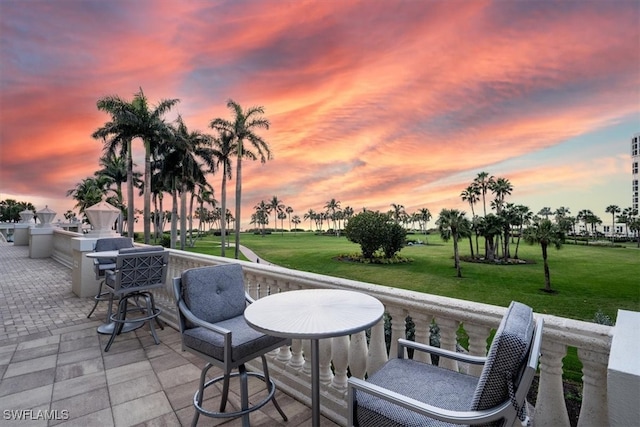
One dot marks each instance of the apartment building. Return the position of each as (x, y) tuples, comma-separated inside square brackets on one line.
[(635, 160)]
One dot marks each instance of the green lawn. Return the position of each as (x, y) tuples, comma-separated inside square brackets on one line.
[(587, 278)]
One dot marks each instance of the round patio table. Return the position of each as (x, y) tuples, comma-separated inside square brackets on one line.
[(314, 314)]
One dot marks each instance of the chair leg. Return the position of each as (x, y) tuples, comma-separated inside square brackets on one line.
[(121, 316), (151, 311), (199, 397), (97, 298), (225, 392), (265, 370), (153, 305), (244, 394)]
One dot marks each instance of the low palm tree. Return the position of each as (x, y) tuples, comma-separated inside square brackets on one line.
[(276, 206), (311, 216), (545, 233), (296, 220), (89, 191), (613, 210), (453, 225), (470, 195)]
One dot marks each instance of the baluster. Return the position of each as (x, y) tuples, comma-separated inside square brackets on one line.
[(550, 407), (358, 355), (306, 350), (325, 361), (297, 358), (398, 329), (422, 322), (594, 409), (340, 358), (478, 335), (448, 328), (377, 348)]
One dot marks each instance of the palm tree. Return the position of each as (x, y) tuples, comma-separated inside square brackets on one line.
[(296, 220), (116, 139), (545, 212), (501, 187), (311, 216), (489, 227), (224, 148), (453, 224), (184, 151), (524, 217), (613, 210), (626, 217), (470, 194), (89, 191), (289, 211), (276, 206), (397, 211), (545, 233), (585, 216), (115, 168), (332, 206), (242, 129), (261, 216), (483, 182), (132, 120)]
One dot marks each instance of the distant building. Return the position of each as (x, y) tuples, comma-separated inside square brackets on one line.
[(635, 160)]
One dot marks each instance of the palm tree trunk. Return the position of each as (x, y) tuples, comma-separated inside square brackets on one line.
[(174, 217), (130, 208), (146, 214), (183, 216), (547, 275), (193, 196), (456, 256), (238, 199), (223, 208)]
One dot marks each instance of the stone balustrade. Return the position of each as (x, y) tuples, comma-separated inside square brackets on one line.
[(363, 353)]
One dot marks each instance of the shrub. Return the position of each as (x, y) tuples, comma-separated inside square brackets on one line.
[(369, 230), (373, 231)]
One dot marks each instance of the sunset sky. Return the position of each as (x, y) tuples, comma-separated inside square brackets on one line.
[(370, 102)]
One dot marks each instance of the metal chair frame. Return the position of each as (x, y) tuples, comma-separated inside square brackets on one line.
[(137, 272), (227, 364)]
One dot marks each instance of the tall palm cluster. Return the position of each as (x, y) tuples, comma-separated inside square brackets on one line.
[(177, 162)]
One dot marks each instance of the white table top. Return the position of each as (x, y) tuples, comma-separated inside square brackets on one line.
[(103, 254), (314, 313)]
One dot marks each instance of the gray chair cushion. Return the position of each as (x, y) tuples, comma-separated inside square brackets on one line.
[(506, 356), (244, 339), (214, 293), (426, 383), (110, 244)]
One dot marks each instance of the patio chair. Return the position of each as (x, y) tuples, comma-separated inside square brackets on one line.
[(211, 302), (100, 265), (138, 271), (405, 392)]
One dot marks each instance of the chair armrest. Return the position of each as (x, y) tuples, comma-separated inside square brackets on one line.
[(199, 322), (461, 357), (447, 415), (248, 298)]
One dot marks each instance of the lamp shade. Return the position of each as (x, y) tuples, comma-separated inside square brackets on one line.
[(26, 215), (45, 216), (102, 216)]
